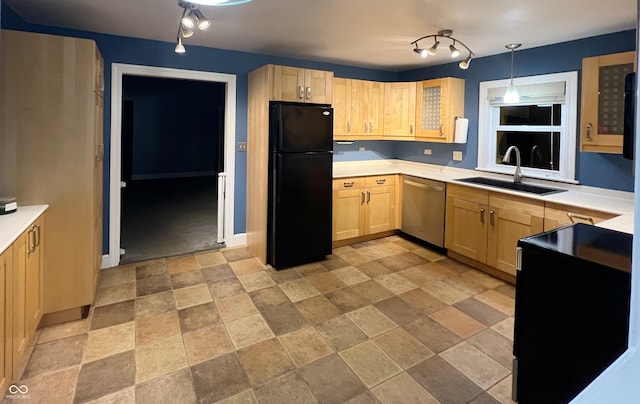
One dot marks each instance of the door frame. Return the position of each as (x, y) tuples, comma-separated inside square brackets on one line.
[(118, 70)]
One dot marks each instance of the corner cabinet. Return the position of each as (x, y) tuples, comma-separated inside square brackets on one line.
[(51, 112), (438, 103), (363, 206), (301, 85), (358, 107), (602, 110)]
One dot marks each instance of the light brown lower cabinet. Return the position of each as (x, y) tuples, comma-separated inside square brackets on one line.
[(21, 275), (486, 226), (556, 215), (363, 206)]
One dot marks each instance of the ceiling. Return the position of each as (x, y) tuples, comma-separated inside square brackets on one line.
[(367, 33)]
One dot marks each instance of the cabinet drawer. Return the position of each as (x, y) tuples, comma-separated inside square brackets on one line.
[(569, 214), (380, 180), (348, 183), (468, 193), (514, 203)]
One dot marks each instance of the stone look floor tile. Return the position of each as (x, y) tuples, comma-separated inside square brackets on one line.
[(256, 281), (192, 296), (283, 276), (465, 284), (249, 330), (370, 363), (485, 280), (236, 253), (317, 309), (340, 332), (195, 317), (364, 398), (485, 314), (334, 262), (181, 264), (373, 269), (445, 292), (151, 329), (289, 388), (186, 278), (127, 395), (153, 284), (396, 283), (474, 364), (109, 341), (264, 361), (429, 255), (431, 334), (403, 389), (246, 397), (177, 385), (113, 314), (325, 282), (105, 376), (245, 266), (498, 301), (398, 310), (235, 307), (305, 346), (298, 290), (63, 330), (159, 358), (417, 275), (444, 381), (310, 269), (505, 328), (422, 300), (151, 268), (502, 391), (226, 288), (372, 291), (458, 322), (57, 387), (154, 304), (323, 375), (434, 271), (55, 355), (350, 275), (283, 318), (495, 345), (115, 293), (346, 299), (217, 273), (210, 259), (403, 348), (206, 343), (219, 378), (272, 296), (371, 321), (114, 276)]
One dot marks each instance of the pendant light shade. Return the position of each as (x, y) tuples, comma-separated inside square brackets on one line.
[(511, 95)]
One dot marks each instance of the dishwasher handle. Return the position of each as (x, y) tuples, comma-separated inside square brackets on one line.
[(423, 186)]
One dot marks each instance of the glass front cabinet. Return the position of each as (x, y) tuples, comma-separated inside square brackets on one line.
[(438, 103)]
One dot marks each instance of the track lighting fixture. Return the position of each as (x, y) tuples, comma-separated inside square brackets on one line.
[(179, 46), (511, 95), (191, 17), (455, 52)]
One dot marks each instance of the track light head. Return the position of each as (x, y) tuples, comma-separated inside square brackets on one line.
[(180, 47), (186, 33), (189, 20), (434, 49), (454, 51), (203, 22), (464, 65), (422, 52)]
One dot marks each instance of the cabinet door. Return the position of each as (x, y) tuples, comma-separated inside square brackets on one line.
[(318, 86), (602, 110), (379, 213), (34, 275), (374, 106), (20, 339), (6, 259), (466, 228), (348, 219), (399, 109), (288, 84), (438, 103), (341, 107), (561, 215)]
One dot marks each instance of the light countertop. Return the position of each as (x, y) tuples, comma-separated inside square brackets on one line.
[(14, 224), (600, 199)]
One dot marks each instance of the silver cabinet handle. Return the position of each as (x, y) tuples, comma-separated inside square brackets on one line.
[(348, 184), (491, 217), (441, 129), (481, 215), (362, 202), (589, 125), (370, 127), (301, 92), (368, 197), (381, 181), (308, 93), (411, 129), (100, 155), (38, 235), (574, 216), (423, 186), (348, 126)]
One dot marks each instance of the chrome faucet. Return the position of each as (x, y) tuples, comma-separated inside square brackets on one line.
[(517, 174)]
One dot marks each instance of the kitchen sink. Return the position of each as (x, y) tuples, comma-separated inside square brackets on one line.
[(514, 186)]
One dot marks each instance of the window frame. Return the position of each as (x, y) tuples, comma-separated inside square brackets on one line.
[(489, 125)]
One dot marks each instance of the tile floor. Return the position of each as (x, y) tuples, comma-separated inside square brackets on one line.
[(383, 321)]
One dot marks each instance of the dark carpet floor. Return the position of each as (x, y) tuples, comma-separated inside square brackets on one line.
[(168, 217)]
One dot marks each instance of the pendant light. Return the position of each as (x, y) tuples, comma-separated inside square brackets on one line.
[(511, 95)]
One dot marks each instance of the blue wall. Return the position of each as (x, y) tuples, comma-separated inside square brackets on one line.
[(592, 168)]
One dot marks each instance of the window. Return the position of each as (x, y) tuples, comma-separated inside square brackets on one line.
[(542, 125)]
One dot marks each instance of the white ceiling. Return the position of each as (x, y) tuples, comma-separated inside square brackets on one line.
[(368, 33)]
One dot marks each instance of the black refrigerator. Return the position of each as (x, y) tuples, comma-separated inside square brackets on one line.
[(573, 289), (300, 183)]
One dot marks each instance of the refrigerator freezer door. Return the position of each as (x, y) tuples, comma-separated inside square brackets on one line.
[(300, 223), (301, 128)]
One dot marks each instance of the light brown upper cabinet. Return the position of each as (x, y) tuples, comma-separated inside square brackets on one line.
[(602, 113), (301, 85), (358, 109), (399, 110), (438, 103)]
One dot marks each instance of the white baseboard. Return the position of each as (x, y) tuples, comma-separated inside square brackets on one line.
[(236, 240), (160, 176)]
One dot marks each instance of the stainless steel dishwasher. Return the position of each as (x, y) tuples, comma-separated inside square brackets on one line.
[(423, 203)]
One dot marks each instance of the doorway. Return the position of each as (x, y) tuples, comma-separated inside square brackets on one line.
[(225, 180), (172, 144)]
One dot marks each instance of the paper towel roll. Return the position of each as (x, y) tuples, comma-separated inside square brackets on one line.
[(460, 131)]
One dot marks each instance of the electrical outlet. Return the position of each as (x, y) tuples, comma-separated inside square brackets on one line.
[(427, 152), (361, 148), (457, 155), (242, 146)]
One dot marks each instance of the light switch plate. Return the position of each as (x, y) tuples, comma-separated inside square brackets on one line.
[(457, 155), (427, 152), (242, 146)]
